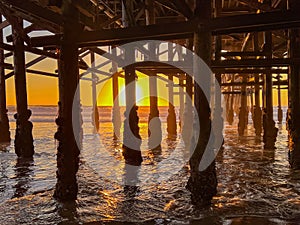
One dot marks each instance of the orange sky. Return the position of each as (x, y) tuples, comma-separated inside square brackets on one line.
[(44, 91)]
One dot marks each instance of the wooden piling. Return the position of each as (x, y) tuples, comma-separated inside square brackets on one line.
[(279, 109), (68, 150), (156, 137), (202, 184), (23, 138), (242, 125), (116, 116), (218, 110), (171, 118), (95, 112), (181, 99), (4, 123), (231, 104), (131, 137), (293, 117), (257, 113), (270, 131), (187, 126)]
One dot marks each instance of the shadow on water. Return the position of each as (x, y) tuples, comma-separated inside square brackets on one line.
[(23, 176), (131, 180)]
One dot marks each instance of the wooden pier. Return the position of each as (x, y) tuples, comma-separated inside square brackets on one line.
[(249, 46)]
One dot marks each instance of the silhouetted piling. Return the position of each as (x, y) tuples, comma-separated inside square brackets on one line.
[(230, 117), (218, 110), (293, 117), (242, 125), (202, 184), (95, 112), (187, 126), (181, 99), (4, 123), (116, 116), (270, 131), (155, 137), (279, 109), (257, 114), (23, 137), (68, 118), (171, 118), (131, 137)]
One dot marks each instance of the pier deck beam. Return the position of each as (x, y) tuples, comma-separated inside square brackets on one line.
[(68, 149), (23, 138), (4, 123), (202, 184), (270, 131)]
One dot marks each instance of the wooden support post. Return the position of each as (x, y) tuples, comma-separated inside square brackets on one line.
[(202, 184), (95, 113), (231, 103), (279, 110), (251, 100), (218, 110), (131, 137), (242, 125), (293, 118), (68, 120), (181, 99), (155, 138), (4, 123), (153, 96), (171, 119), (187, 126), (188, 77), (270, 131), (116, 116), (23, 138), (257, 113), (231, 111), (181, 87), (154, 125)]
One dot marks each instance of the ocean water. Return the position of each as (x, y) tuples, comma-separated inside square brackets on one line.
[(255, 186)]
